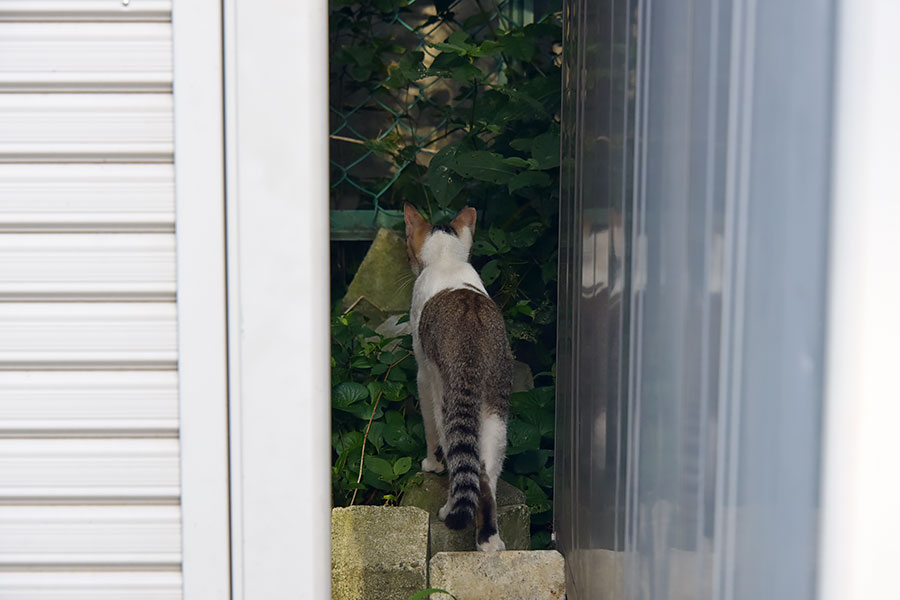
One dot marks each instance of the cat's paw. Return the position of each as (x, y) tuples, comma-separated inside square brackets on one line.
[(431, 465), (493, 544), (444, 511)]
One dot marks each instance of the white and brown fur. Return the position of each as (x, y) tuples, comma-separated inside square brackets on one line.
[(465, 371)]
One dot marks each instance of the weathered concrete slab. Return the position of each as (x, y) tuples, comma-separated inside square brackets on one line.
[(383, 279), (378, 552), (531, 575), (522, 379), (513, 516), (514, 522)]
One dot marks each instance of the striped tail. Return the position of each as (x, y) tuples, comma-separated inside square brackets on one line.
[(462, 415)]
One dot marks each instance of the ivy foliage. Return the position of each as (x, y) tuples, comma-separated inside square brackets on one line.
[(494, 88)]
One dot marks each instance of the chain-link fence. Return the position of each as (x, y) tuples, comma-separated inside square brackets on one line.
[(389, 112)]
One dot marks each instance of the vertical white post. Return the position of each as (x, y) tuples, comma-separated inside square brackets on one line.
[(202, 353), (276, 74), (861, 492)]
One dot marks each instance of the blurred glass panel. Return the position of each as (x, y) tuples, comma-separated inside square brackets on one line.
[(693, 229)]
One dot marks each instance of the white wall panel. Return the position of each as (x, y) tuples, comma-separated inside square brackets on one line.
[(90, 454), (87, 335), (78, 403), (85, 127), (89, 470), (95, 536), (91, 267), (91, 585), (96, 57), (86, 197), (85, 10)]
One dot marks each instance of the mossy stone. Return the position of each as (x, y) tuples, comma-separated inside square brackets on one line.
[(383, 280)]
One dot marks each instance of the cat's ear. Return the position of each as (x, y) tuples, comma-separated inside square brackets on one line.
[(412, 218), (464, 218)]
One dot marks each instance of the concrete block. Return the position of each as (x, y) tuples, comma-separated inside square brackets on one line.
[(531, 575), (378, 552), (383, 279), (431, 494), (513, 515)]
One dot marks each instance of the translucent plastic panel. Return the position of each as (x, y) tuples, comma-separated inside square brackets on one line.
[(696, 140)]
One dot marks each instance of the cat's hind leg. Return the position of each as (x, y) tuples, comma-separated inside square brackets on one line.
[(429, 382), (492, 449)]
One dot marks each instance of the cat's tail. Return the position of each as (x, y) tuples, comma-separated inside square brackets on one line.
[(461, 426)]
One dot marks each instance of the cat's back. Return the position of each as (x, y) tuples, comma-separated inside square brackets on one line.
[(461, 324)]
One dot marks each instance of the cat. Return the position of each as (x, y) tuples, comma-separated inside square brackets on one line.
[(464, 371)]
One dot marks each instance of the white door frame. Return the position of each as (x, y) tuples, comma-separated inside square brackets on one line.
[(861, 493), (202, 350), (276, 123)]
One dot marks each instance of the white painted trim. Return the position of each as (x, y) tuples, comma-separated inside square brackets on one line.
[(200, 229), (861, 493), (277, 123)]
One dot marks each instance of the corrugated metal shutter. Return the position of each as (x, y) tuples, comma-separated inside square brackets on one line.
[(89, 454)]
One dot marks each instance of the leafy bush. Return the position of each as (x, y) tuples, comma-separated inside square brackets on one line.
[(373, 399), (497, 149)]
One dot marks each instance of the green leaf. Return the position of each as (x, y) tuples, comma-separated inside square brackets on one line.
[(441, 179), (545, 313), (537, 398), (466, 73), (394, 391), (483, 165), (490, 272), (522, 307), (519, 46), (364, 411), (482, 247), (376, 434), (380, 467), (522, 144), (498, 238), (347, 393), (378, 369), (541, 540), (360, 72), (343, 441), (528, 179), (394, 418), (410, 65), (444, 63), (549, 271), (530, 461), (516, 161), (528, 235), (535, 496), (456, 43), (522, 436), (402, 465), (374, 388), (458, 37), (546, 149), (362, 55), (488, 48)]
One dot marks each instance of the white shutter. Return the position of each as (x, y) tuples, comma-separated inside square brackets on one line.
[(89, 449)]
